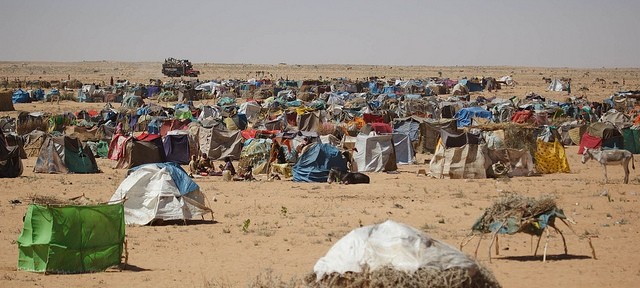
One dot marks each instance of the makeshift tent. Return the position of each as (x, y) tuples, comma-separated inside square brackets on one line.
[(256, 153), (144, 149), (6, 101), (557, 85), (465, 115), (518, 162), (403, 149), (176, 147), (600, 134), (469, 161), (551, 158), (316, 161), (20, 96), (218, 143), (10, 162), (310, 121), (33, 142), (390, 244), (631, 140), (160, 191), (374, 153), (64, 154), (71, 239)]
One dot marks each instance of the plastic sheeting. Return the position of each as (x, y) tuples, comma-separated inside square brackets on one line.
[(390, 244), (160, 191), (374, 153), (316, 161), (71, 239)]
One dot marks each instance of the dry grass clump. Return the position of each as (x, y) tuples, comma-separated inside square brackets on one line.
[(53, 200), (424, 277), (517, 207)]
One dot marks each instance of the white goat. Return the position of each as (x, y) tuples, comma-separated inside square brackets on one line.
[(610, 157)]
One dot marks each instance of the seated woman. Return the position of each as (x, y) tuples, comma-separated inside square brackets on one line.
[(228, 165)]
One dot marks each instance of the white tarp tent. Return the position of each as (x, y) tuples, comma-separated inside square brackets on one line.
[(374, 153), (390, 244), (160, 191), (557, 85)]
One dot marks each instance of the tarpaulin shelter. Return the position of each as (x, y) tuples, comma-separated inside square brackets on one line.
[(316, 161), (631, 140), (33, 142), (551, 157), (6, 101), (20, 96), (375, 153), (64, 154), (601, 134), (557, 85), (469, 161), (459, 156), (144, 149), (160, 191), (403, 149), (71, 238), (256, 153), (465, 115), (390, 244), (176, 147), (10, 162), (518, 162), (218, 143)]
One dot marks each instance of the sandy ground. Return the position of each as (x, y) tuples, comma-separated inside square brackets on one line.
[(294, 224)]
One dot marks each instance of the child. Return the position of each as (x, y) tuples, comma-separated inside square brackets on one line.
[(193, 166)]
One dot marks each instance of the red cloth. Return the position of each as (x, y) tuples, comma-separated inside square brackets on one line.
[(252, 133), (371, 118), (588, 141), (381, 128), (147, 137), (170, 125), (521, 116)]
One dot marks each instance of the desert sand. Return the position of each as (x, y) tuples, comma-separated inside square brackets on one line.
[(293, 224)]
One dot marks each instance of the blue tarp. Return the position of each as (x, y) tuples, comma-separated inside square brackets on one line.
[(408, 127), (314, 164), (20, 96), (463, 116), (184, 183)]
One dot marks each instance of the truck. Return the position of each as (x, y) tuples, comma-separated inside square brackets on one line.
[(178, 68)]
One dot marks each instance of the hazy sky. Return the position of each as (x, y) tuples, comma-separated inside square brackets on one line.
[(561, 33)]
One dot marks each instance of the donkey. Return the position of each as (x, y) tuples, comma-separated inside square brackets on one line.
[(610, 157), (347, 177)]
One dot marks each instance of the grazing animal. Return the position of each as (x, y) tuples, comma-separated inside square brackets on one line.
[(347, 177), (610, 157)]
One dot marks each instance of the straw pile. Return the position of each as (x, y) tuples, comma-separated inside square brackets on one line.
[(517, 207), (424, 277)]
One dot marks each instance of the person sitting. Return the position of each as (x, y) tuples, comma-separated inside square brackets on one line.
[(246, 175), (228, 165), (193, 166), (205, 166)]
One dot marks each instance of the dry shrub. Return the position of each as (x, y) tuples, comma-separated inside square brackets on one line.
[(424, 277), (53, 200)]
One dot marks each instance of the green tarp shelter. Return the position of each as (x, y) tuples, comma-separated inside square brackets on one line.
[(71, 239), (631, 140)]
